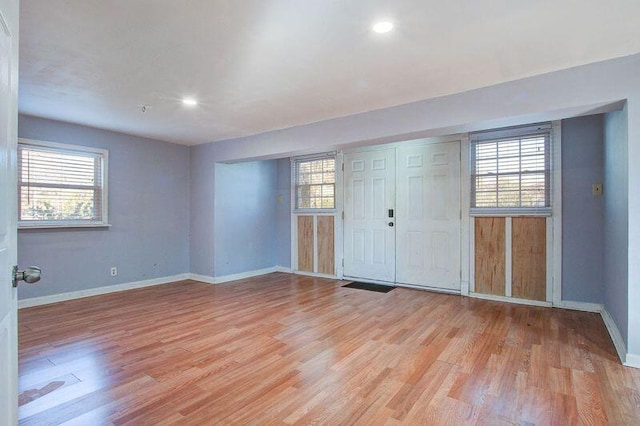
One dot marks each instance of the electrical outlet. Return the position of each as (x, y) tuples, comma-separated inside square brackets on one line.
[(596, 189), (114, 271)]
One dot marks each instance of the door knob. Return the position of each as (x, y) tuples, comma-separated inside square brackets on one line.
[(391, 224), (30, 275)]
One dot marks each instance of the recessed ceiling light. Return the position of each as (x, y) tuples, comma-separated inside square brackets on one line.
[(382, 27), (189, 102)]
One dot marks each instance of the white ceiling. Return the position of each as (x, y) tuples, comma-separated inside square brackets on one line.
[(259, 65)]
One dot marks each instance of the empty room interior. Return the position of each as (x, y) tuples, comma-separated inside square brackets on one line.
[(319, 212)]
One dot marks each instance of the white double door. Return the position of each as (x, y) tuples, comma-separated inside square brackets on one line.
[(402, 215)]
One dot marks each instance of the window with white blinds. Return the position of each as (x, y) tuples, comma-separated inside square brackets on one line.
[(61, 185), (315, 182), (511, 170)]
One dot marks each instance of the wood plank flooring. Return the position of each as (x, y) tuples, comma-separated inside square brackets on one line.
[(285, 349)]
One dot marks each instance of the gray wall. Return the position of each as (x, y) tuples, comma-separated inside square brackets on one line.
[(582, 212), (616, 185), (245, 236), (148, 211), (284, 212)]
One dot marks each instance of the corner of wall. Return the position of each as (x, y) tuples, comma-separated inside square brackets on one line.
[(616, 337)]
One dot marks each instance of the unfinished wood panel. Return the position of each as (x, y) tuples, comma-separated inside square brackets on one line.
[(529, 258), (490, 255), (326, 251), (305, 243)]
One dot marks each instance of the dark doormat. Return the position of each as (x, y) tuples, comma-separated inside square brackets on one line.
[(371, 287)]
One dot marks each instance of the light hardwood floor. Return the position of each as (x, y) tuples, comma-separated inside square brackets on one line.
[(284, 349)]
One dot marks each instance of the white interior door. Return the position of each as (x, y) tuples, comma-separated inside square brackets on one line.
[(428, 215), (8, 209), (369, 233)]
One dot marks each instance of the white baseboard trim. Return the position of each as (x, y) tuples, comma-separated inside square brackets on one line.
[(616, 337), (580, 306), (54, 298), (233, 277), (425, 288), (315, 274), (633, 360), (510, 300), (284, 269), (202, 278)]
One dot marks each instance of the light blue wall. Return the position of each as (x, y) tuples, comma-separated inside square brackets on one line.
[(148, 211), (616, 218), (246, 225), (237, 223), (284, 212), (582, 212), (201, 230)]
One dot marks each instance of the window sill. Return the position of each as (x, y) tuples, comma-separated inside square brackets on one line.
[(64, 226), (503, 213), (315, 211)]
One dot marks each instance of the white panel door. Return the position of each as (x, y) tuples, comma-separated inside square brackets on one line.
[(428, 215), (369, 233), (8, 209)]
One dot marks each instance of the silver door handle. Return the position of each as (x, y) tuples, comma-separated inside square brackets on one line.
[(30, 275)]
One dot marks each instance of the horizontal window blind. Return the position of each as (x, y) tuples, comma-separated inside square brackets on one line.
[(511, 170), (315, 182), (60, 185)]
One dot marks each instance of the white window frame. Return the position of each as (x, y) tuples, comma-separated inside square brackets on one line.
[(294, 174), (68, 148), (509, 134)]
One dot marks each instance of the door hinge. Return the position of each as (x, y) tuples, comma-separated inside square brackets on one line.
[(343, 167), (343, 262), (343, 215)]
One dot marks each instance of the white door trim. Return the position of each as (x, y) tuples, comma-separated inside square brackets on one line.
[(339, 216), (465, 220), (554, 269), (466, 232)]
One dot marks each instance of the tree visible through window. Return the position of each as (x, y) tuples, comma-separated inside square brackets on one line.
[(511, 172), (61, 185), (315, 181)]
